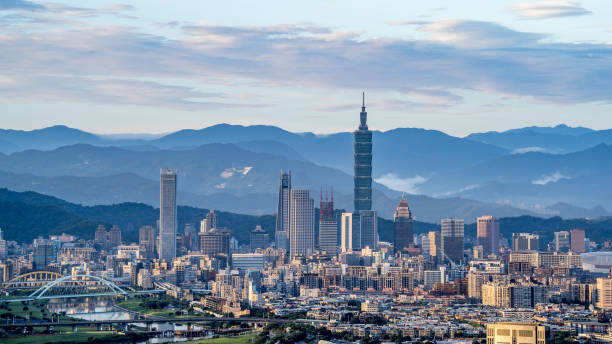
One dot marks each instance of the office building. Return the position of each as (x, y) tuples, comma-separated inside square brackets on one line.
[(167, 215), (346, 232), (562, 241), (488, 234), (525, 242), (328, 226), (403, 226), (209, 222), (368, 225), (248, 261), (3, 252), (45, 253), (301, 223), (434, 246), (433, 277), (513, 295), (215, 242), (114, 237), (451, 240), (259, 238), (518, 332), (577, 239), (100, 237), (146, 241), (281, 236), (363, 163), (423, 241), (603, 289)]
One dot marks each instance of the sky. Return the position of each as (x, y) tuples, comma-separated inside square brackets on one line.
[(160, 66)]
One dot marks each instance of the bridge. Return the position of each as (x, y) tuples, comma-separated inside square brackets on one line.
[(70, 287), (31, 280), (158, 320)]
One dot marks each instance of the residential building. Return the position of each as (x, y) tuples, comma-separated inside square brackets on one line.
[(259, 238), (562, 241), (346, 232), (525, 242), (603, 289)]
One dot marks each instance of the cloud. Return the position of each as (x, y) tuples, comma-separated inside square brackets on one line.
[(455, 55), (553, 178), (20, 5), (532, 149), (477, 34), (548, 9), (409, 185)]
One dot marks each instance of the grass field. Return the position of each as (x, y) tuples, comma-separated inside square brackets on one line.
[(226, 340), (74, 337)]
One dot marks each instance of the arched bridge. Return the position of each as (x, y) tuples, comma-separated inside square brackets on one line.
[(31, 280), (77, 286)]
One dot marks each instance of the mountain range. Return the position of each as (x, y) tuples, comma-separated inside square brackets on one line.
[(528, 171)]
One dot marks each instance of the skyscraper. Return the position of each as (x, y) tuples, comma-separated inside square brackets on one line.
[(451, 240), (146, 241), (363, 163), (402, 226), (577, 240), (167, 215), (301, 223), (525, 242), (211, 220), (346, 232), (368, 224), (259, 238), (488, 234), (45, 253), (114, 237), (562, 241), (434, 246), (2, 246), (281, 236), (328, 226)]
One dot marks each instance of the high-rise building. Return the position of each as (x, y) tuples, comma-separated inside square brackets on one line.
[(434, 246), (3, 252), (283, 209), (114, 237), (403, 226), (214, 242), (525, 242), (346, 232), (100, 237), (146, 241), (577, 238), (425, 245), (167, 214), (368, 225), (488, 234), (211, 220), (518, 332), (45, 253), (259, 238), (604, 293), (328, 226), (301, 223), (562, 241), (451, 240), (363, 163)]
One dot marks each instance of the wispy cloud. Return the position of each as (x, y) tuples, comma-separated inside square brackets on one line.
[(548, 9), (394, 182), (553, 178), (20, 5), (532, 149), (455, 55)]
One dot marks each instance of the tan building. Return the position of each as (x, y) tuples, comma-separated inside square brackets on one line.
[(604, 293), (518, 333)]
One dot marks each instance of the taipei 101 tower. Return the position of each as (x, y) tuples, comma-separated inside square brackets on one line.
[(363, 163)]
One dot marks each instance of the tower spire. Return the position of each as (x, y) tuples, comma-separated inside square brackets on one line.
[(363, 116)]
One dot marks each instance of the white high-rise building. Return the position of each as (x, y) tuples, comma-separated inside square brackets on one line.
[(346, 232), (301, 223), (167, 214)]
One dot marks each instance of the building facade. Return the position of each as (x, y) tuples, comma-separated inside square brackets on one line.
[(488, 234), (451, 240), (525, 242), (167, 214), (301, 224), (518, 332), (403, 226), (281, 236), (577, 238)]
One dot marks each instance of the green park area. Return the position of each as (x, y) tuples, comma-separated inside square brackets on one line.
[(244, 339)]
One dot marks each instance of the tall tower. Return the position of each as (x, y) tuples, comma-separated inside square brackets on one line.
[(281, 236), (301, 223), (488, 234), (328, 226), (402, 226), (167, 214), (451, 240), (363, 163)]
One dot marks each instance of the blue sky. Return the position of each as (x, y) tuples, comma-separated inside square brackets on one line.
[(158, 66)]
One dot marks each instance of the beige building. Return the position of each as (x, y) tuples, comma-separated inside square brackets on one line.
[(604, 293), (518, 333)]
